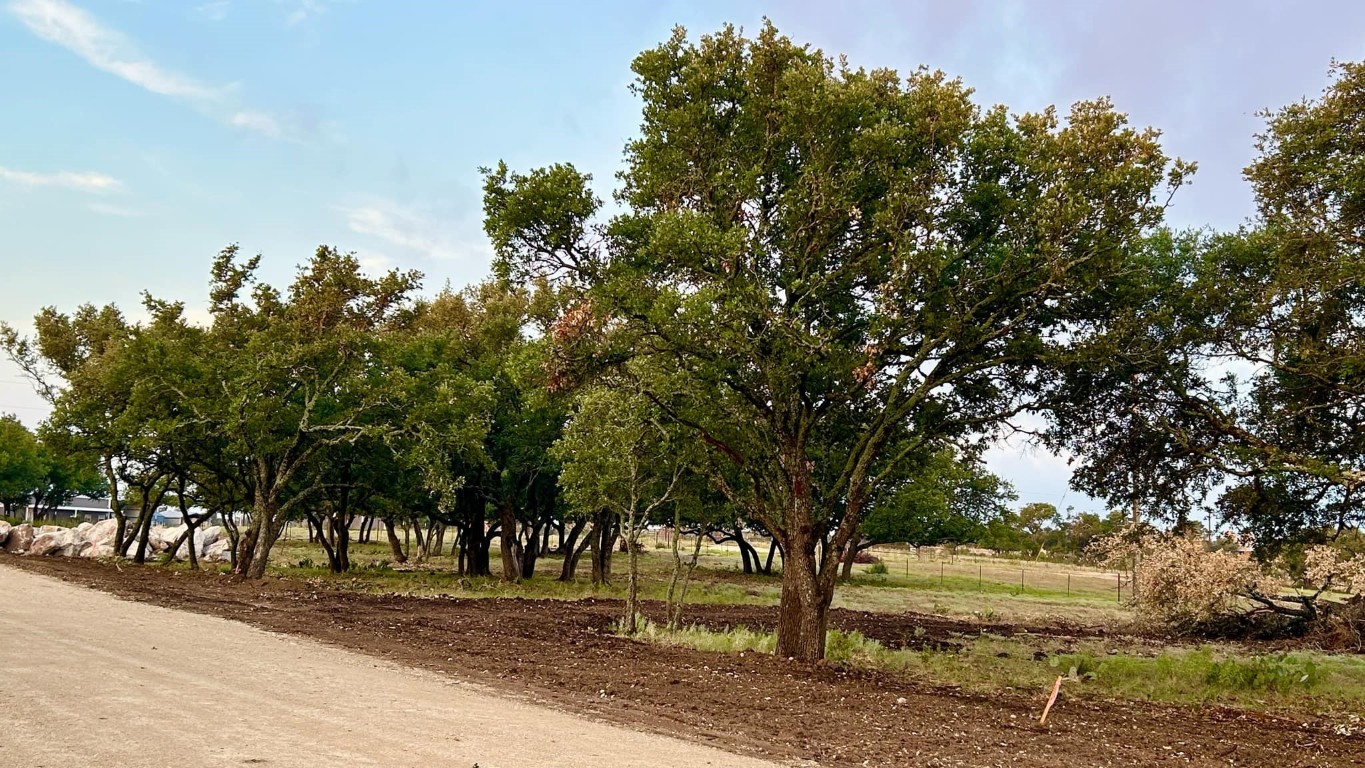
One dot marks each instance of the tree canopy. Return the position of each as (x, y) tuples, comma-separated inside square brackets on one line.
[(837, 267)]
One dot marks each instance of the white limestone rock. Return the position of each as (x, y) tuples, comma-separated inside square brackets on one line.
[(20, 539)]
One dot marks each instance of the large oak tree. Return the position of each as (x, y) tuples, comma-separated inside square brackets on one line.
[(838, 266)]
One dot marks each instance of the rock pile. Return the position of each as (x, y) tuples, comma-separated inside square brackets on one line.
[(97, 540)]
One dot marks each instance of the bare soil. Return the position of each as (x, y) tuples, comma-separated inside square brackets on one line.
[(564, 654)]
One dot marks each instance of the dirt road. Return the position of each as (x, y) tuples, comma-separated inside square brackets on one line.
[(92, 680)]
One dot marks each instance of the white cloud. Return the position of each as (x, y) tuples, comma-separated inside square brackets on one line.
[(303, 10), (374, 262), (405, 227), (85, 181), (259, 122), (72, 28), (107, 49), (215, 10)]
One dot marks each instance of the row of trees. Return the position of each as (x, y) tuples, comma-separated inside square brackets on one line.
[(39, 473), (820, 293)]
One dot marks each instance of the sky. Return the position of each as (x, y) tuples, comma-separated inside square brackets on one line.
[(139, 137)]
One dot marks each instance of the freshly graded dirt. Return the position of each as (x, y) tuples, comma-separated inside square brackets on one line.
[(563, 654)]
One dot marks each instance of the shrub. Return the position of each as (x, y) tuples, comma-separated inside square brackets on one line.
[(1330, 567), (1182, 584), (1187, 586), (1262, 673), (877, 568)]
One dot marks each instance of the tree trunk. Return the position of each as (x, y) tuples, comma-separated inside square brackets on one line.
[(632, 537), (144, 531), (531, 550), (1137, 553), (773, 549), (230, 525), (804, 612), (850, 554), (186, 540), (191, 546), (603, 538), (343, 546), (120, 532), (511, 555), (270, 532), (246, 545), (415, 526), (396, 546), (572, 550), (747, 553), (253, 553), (481, 562)]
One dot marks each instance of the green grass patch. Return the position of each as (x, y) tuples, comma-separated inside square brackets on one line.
[(986, 589), (1277, 682)]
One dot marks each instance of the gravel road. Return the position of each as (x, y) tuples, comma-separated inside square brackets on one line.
[(92, 680)]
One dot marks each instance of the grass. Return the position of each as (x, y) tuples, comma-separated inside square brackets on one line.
[(985, 589), (1288, 682)]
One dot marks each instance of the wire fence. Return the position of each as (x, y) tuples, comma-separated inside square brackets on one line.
[(930, 567)]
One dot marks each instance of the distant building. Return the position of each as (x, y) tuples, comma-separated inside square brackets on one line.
[(83, 509), (79, 508)]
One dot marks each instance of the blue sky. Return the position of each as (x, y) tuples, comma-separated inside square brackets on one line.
[(139, 137)]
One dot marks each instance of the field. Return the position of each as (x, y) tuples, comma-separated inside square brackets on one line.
[(962, 703), (965, 586), (985, 624)]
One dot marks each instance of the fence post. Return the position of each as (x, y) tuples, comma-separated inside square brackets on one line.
[(1068, 585), (978, 577), (940, 574), (1118, 577), (1021, 578)]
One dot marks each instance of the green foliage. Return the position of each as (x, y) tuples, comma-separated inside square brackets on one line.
[(617, 453), (944, 498), (1157, 420), (22, 467), (46, 469), (823, 270)]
